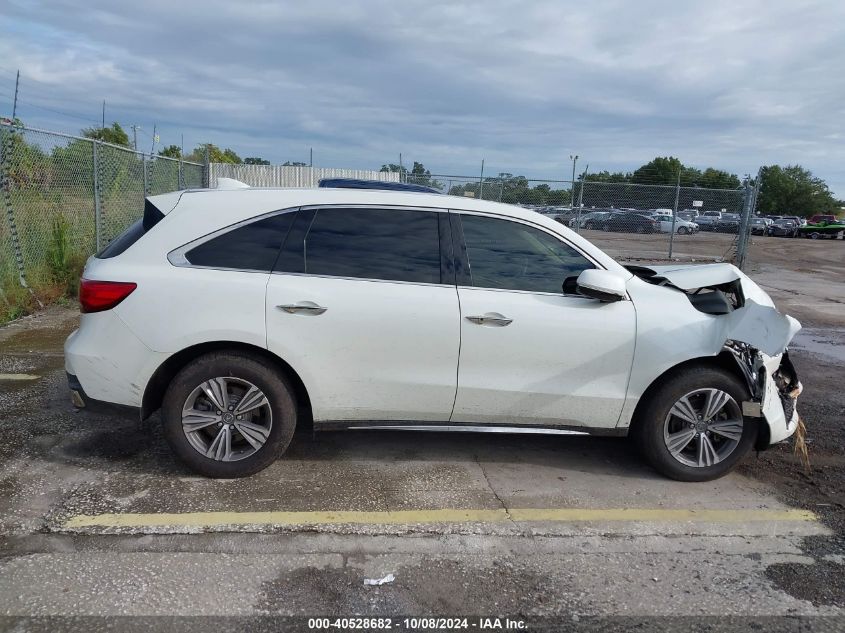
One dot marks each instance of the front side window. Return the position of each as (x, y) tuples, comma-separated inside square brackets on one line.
[(253, 246), (513, 256), (389, 244)]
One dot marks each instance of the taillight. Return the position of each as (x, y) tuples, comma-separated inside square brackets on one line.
[(96, 296)]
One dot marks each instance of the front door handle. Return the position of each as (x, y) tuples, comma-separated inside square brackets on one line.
[(303, 307), (490, 318)]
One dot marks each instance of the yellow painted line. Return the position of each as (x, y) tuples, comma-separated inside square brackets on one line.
[(405, 517), (19, 377)]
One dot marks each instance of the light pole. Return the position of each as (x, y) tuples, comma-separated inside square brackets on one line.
[(574, 160)]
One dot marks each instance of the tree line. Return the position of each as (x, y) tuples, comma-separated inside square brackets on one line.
[(791, 190)]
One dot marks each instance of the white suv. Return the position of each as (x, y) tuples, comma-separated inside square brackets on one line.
[(241, 313)]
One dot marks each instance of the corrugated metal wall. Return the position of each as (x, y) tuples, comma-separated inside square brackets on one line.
[(287, 176)]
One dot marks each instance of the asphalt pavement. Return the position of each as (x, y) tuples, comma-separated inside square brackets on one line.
[(100, 525)]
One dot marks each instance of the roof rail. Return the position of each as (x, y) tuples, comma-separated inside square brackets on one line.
[(354, 183)]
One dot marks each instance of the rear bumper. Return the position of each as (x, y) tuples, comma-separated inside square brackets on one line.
[(82, 400), (108, 362)]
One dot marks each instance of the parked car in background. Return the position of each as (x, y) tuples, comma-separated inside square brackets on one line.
[(783, 228), (594, 220), (244, 313), (728, 223), (708, 220), (630, 223), (759, 225), (682, 227)]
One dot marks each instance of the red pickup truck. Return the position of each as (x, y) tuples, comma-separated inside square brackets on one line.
[(816, 219)]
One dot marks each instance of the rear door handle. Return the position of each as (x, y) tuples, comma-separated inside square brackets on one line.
[(490, 318), (302, 307)]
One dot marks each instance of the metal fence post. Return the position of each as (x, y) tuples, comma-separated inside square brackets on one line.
[(744, 225), (181, 177), (580, 201), (98, 229), (5, 182), (675, 214), (145, 163)]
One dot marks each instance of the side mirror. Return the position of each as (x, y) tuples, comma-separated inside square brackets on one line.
[(601, 285)]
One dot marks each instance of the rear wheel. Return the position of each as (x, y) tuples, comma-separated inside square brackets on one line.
[(228, 415), (815, 235), (692, 427), (683, 230)]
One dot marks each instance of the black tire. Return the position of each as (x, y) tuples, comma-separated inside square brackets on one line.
[(647, 429), (260, 373), (682, 230)]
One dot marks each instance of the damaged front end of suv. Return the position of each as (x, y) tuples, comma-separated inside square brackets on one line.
[(725, 315)]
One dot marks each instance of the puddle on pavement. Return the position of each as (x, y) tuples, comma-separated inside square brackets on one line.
[(41, 340), (828, 343)]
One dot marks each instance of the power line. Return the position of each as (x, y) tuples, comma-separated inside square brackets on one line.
[(54, 111)]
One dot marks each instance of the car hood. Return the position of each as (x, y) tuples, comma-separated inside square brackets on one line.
[(757, 322)]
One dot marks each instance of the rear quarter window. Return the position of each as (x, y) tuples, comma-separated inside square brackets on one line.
[(253, 247)]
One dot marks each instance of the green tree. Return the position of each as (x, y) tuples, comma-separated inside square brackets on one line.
[(606, 176), (215, 154), (294, 163), (718, 179), (793, 190), (663, 170), (255, 160), (115, 134), (171, 151), (393, 168)]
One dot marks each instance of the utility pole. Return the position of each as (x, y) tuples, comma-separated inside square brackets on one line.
[(153, 148), (574, 160), (400, 168), (481, 182), (182, 147), (15, 103), (311, 157), (104, 114), (135, 137)]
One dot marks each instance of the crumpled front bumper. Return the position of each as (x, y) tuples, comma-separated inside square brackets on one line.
[(780, 392)]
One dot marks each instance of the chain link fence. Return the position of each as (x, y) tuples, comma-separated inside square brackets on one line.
[(64, 197), (630, 221)]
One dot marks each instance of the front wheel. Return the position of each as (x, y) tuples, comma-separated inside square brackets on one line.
[(692, 427), (228, 415), (683, 230)]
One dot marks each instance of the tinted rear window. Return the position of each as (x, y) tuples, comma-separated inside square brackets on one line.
[(135, 232), (389, 244), (253, 246)]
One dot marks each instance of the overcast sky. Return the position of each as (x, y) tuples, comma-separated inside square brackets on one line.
[(521, 84)]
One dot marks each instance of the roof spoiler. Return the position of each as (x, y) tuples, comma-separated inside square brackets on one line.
[(227, 184)]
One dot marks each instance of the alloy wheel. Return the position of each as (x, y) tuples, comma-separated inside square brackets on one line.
[(227, 419), (703, 427)]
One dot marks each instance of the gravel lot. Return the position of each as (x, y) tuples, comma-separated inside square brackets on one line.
[(737, 546)]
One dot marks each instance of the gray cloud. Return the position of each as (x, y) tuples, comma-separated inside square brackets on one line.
[(521, 84)]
